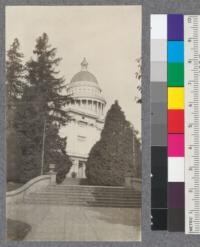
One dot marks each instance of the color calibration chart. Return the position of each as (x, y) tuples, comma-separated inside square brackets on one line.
[(175, 123)]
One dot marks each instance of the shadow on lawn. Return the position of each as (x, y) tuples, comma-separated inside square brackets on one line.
[(17, 230)]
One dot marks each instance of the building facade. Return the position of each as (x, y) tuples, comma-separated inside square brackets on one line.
[(86, 112)]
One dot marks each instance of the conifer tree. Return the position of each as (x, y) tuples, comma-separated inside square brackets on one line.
[(14, 89), (112, 156), (14, 73), (41, 115)]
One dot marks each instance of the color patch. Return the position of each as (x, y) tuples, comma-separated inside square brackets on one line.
[(158, 27), (175, 169), (175, 74), (158, 113), (159, 219), (158, 91), (158, 50), (176, 219), (159, 134), (159, 178), (158, 71), (175, 27), (176, 195), (175, 145), (175, 51), (176, 98), (175, 121)]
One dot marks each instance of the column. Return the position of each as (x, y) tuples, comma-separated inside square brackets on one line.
[(93, 105), (99, 107), (76, 167)]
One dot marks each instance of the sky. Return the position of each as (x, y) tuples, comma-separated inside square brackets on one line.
[(108, 36)]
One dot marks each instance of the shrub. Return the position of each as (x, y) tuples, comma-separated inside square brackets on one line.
[(74, 174), (112, 155)]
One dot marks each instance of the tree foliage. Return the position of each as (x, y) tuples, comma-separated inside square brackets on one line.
[(111, 158), (14, 73), (14, 87), (40, 114)]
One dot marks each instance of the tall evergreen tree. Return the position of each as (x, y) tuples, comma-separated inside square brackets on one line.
[(14, 90), (40, 116), (14, 73), (112, 156)]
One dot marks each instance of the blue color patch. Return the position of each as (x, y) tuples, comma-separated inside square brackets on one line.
[(175, 51)]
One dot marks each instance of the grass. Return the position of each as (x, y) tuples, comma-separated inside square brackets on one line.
[(13, 186), (17, 230)]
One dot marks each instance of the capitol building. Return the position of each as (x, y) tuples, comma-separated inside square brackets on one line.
[(86, 112)]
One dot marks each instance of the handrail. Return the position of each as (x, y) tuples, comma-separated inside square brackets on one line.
[(27, 185)]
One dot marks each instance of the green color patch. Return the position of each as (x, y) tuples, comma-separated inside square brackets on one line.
[(175, 74)]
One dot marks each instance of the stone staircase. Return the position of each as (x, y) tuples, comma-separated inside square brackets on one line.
[(74, 181), (80, 195)]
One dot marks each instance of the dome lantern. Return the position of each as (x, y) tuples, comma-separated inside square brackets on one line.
[(84, 64)]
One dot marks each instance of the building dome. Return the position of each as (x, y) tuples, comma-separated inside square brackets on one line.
[(84, 84), (84, 76), (86, 92)]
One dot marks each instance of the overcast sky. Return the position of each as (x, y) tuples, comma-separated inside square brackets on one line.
[(108, 36)]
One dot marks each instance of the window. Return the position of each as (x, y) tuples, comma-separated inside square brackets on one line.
[(82, 123), (81, 138)]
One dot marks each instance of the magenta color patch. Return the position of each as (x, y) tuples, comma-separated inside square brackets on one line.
[(175, 145)]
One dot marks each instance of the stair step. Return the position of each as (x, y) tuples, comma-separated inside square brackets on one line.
[(80, 200), (83, 199), (94, 196), (93, 191), (84, 187), (88, 189), (92, 204), (87, 198), (122, 196)]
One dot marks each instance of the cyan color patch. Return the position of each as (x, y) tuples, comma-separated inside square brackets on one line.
[(175, 51)]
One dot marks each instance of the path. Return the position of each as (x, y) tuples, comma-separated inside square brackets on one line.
[(72, 223)]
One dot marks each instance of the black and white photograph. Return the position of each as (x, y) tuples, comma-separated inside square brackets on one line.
[(73, 123)]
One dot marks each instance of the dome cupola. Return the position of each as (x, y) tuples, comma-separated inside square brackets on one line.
[(84, 64), (85, 91), (84, 74)]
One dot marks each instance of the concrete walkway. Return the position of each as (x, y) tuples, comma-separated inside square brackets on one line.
[(72, 223)]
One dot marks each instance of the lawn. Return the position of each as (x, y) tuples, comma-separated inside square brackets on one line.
[(17, 230)]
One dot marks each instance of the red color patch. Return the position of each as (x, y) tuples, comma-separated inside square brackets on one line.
[(175, 121)]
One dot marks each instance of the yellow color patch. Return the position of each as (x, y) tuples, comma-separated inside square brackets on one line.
[(175, 98)]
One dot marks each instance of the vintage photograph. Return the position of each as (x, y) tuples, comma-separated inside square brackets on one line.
[(73, 123)]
